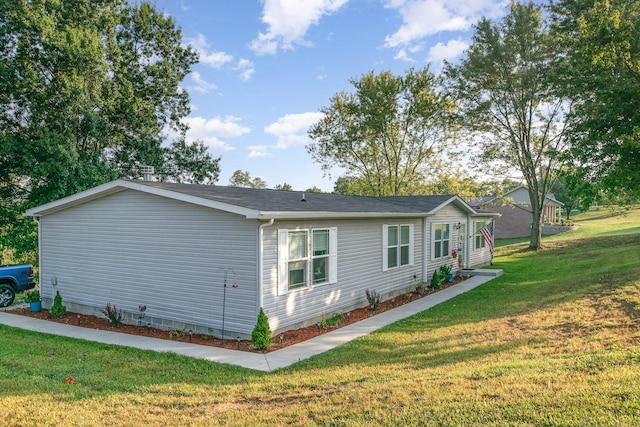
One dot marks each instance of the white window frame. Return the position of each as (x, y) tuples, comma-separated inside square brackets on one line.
[(434, 241), (478, 237), (284, 262), (399, 246)]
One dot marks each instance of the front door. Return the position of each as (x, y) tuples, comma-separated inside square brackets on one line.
[(462, 245)]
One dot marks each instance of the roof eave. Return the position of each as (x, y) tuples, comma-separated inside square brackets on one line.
[(335, 215), (458, 201)]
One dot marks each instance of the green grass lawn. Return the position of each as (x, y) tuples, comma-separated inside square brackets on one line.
[(592, 223), (555, 341)]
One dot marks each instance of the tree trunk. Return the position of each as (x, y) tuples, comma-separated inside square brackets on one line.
[(536, 227)]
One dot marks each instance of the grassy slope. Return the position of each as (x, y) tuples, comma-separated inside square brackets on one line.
[(554, 341)]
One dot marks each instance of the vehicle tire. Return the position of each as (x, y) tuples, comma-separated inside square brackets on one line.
[(7, 295)]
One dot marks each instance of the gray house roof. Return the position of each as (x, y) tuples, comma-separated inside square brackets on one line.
[(266, 203), (478, 203)]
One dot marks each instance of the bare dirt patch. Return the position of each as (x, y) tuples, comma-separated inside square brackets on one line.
[(278, 341)]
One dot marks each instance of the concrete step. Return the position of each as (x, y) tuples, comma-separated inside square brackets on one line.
[(480, 272)]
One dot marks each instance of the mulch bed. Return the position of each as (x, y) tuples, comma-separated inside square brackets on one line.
[(278, 341)]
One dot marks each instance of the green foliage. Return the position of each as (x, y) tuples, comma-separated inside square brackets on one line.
[(113, 315), (178, 334), (29, 296), (335, 320), (599, 71), (445, 269), (373, 298), (243, 179), (190, 163), (506, 90), (261, 335), (87, 90), (283, 187), (420, 287), (436, 280), (386, 134), (57, 309)]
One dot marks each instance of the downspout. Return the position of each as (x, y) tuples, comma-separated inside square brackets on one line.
[(261, 262), (37, 220), (426, 246), (470, 237)]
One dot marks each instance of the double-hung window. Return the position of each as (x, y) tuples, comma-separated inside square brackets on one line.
[(479, 243), (441, 238), (306, 257), (397, 241)]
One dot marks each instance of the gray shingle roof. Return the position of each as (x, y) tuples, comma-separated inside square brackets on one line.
[(267, 200)]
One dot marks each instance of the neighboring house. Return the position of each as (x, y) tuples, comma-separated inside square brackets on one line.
[(206, 258), (514, 208)]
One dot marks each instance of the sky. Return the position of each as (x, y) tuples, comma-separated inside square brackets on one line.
[(267, 68)]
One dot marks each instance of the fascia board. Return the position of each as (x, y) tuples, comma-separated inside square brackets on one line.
[(75, 199), (485, 214), (335, 215), (458, 202)]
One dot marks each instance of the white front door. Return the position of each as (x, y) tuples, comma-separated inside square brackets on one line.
[(462, 245)]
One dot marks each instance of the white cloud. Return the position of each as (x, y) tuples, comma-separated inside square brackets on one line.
[(403, 56), (452, 49), (259, 151), (246, 69), (211, 58), (201, 85), (424, 18), (288, 23), (212, 132), (292, 128)]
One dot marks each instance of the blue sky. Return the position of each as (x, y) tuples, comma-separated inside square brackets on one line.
[(267, 67)]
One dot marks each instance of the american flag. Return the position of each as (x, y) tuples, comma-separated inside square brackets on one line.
[(487, 233)]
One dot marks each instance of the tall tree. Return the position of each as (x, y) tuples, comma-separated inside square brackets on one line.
[(387, 134), (86, 89), (283, 187), (509, 104), (190, 163), (601, 73), (243, 179)]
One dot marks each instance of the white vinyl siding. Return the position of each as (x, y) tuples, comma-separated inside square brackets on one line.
[(306, 257), (397, 246), (131, 249), (359, 248)]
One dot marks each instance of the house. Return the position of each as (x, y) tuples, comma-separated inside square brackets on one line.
[(206, 258), (515, 212)]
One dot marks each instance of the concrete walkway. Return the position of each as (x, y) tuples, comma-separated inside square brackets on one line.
[(262, 362)]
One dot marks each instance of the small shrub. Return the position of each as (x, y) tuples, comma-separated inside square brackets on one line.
[(261, 335), (57, 309), (435, 280), (33, 296), (420, 288), (178, 333), (114, 316), (334, 320), (445, 270), (374, 299)]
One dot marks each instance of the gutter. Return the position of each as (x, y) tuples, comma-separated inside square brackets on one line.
[(261, 262)]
